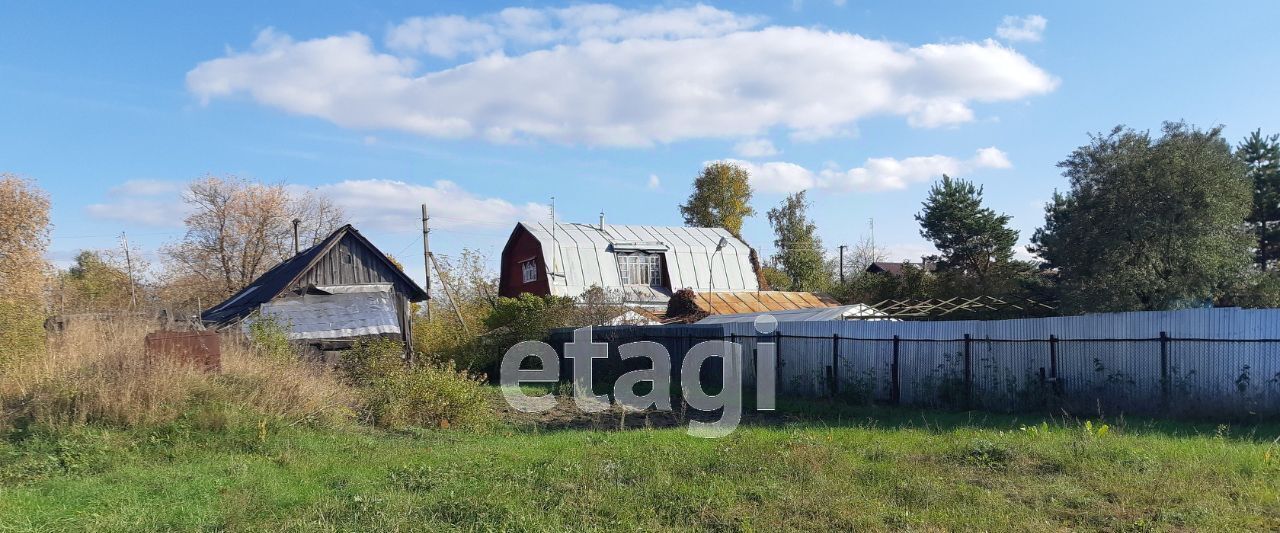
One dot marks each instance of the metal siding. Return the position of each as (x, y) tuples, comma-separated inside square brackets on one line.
[(1105, 361), (365, 268)]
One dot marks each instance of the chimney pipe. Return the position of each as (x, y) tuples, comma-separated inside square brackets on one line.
[(602, 220), (296, 249)]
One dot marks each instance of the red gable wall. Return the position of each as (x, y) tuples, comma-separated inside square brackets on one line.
[(522, 246)]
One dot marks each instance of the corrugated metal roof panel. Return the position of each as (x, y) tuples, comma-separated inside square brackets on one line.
[(582, 255)]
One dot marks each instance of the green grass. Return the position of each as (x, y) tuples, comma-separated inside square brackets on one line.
[(839, 468)]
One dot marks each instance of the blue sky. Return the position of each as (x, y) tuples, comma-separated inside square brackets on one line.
[(485, 111)]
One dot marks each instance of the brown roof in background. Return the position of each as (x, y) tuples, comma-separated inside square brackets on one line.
[(896, 268), (727, 303)]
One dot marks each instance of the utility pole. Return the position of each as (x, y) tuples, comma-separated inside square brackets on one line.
[(842, 247), (426, 256), (128, 264)]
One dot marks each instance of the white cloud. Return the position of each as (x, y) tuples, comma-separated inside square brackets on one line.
[(519, 28), (377, 204), (913, 252), (146, 188), (991, 157), (876, 174), (395, 205), (755, 148), (1029, 28), (155, 203), (777, 176), (445, 37), (609, 76), (654, 183), (941, 113), (884, 173)]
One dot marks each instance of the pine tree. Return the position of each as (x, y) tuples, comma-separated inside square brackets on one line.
[(973, 240), (1261, 155)]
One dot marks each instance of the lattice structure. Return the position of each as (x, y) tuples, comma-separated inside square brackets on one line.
[(937, 308)]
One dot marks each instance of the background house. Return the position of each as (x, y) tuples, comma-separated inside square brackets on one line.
[(641, 264), (889, 267), (337, 290)]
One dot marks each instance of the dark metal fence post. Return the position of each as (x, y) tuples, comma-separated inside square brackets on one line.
[(895, 386), (968, 372), (835, 364), (1164, 370)]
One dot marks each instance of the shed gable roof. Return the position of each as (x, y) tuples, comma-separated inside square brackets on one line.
[(283, 275)]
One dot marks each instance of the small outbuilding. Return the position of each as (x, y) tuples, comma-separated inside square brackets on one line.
[(338, 290)]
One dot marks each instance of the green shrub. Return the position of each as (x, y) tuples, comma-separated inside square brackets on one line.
[(271, 338), (396, 395)]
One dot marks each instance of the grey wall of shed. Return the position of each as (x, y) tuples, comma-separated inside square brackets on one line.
[(350, 263)]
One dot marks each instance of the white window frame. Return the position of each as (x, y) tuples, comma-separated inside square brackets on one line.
[(638, 268), (529, 271)]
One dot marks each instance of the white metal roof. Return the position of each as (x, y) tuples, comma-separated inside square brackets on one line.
[(844, 312), (583, 255)]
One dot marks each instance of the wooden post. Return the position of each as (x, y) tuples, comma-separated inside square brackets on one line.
[(1164, 370), (842, 247), (895, 386), (968, 372), (426, 258), (128, 262), (835, 364)]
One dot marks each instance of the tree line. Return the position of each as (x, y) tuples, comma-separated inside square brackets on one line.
[(1149, 222)]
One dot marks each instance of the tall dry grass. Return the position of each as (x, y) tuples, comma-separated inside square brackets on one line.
[(97, 373)]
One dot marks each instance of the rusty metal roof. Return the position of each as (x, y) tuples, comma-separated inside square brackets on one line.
[(728, 303)]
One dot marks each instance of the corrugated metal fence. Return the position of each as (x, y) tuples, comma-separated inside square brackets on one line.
[(1201, 362)]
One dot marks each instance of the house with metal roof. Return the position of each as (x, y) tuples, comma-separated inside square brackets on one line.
[(341, 288), (888, 267), (643, 265)]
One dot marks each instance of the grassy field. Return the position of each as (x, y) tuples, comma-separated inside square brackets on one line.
[(831, 467)]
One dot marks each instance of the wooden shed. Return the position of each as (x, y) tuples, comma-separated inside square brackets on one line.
[(339, 289)]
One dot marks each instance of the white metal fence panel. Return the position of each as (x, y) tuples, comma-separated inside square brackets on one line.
[(1214, 362)]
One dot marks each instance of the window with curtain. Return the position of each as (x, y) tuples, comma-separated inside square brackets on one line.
[(530, 271)]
